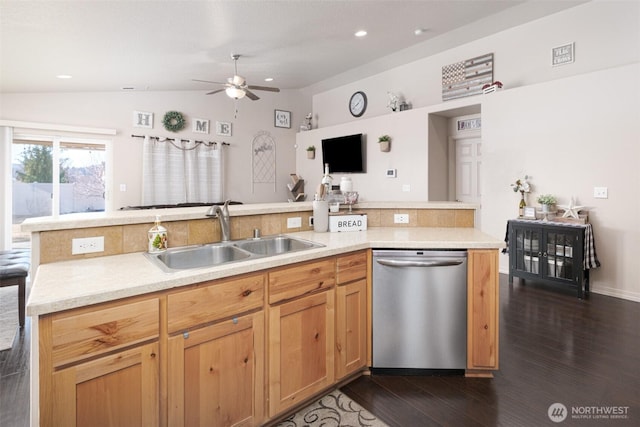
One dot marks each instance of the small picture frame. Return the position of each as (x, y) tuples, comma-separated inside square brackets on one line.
[(223, 128), (282, 119), (143, 119), (200, 125), (529, 212)]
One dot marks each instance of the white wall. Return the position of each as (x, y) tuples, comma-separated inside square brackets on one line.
[(115, 110), (606, 34)]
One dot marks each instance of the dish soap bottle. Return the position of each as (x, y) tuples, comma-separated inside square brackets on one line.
[(157, 237)]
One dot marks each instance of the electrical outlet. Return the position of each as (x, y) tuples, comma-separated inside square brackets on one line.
[(600, 192), (295, 222), (401, 218), (406, 188), (87, 245)]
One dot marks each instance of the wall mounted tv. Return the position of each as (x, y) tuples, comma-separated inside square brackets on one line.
[(345, 154)]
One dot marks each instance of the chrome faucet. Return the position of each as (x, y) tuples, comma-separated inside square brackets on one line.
[(222, 213)]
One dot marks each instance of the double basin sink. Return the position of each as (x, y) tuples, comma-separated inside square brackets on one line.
[(211, 255)]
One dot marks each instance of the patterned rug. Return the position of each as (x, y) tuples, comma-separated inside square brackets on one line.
[(8, 316), (334, 409)]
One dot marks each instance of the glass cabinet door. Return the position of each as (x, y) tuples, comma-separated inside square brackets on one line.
[(559, 254), (527, 250)]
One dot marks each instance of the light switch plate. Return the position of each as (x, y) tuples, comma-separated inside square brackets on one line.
[(87, 245), (600, 192), (295, 222), (401, 218)]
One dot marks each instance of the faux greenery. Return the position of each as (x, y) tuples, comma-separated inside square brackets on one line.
[(173, 121), (311, 148), (546, 199), (384, 138)]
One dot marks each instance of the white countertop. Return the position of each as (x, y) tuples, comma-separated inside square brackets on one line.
[(72, 284), (140, 216)]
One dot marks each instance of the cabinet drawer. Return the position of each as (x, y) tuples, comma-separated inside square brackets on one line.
[(292, 282), (215, 300), (351, 267), (90, 332)]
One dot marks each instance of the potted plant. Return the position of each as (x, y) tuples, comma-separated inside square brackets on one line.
[(546, 200), (385, 143), (311, 152)]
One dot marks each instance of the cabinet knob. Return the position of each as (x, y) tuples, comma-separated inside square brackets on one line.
[(246, 293)]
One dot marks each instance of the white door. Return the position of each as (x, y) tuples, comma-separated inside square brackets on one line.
[(468, 168)]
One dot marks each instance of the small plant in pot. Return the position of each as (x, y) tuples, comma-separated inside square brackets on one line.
[(546, 200), (385, 143), (311, 152)]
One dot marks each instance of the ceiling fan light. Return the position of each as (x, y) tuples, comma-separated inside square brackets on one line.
[(234, 92)]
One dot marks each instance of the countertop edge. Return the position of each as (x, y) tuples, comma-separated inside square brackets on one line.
[(127, 217)]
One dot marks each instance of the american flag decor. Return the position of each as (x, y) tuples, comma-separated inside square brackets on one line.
[(466, 78)]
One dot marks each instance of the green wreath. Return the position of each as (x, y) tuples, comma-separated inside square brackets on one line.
[(173, 121)]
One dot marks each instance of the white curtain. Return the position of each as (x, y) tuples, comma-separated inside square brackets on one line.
[(191, 173)]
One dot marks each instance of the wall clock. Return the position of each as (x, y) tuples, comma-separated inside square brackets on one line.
[(358, 104)]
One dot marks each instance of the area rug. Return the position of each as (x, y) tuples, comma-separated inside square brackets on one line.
[(8, 316), (334, 409)]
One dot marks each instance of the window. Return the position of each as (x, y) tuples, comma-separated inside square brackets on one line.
[(56, 175)]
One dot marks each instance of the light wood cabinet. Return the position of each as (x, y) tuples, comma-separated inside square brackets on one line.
[(216, 353), (482, 312), (99, 365), (216, 374), (351, 314), (301, 334)]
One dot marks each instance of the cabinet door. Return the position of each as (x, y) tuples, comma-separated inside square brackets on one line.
[(563, 254), (121, 389), (301, 346), (216, 374), (482, 309), (351, 328), (525, 249)]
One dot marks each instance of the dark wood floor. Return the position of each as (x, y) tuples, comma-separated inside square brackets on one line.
[(553, 348)]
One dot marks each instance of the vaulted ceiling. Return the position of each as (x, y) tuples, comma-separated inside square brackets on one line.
[(163, 45)]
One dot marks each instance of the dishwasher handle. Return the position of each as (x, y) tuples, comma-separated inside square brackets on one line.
[(406, 263)]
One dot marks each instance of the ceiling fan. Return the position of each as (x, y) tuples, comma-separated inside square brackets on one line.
[(236, 87)]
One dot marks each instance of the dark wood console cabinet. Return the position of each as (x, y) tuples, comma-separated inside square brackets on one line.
[(548, 252)]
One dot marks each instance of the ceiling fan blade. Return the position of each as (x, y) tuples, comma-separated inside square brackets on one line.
[(214, 91), (208, 81), (252, 96), (267, 88)]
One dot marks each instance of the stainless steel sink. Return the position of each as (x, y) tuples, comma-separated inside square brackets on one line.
[(200, 256), (275, 245), (211, 255)]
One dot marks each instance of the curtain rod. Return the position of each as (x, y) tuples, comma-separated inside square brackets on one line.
[(180, 140)]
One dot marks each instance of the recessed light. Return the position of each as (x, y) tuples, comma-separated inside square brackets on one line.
[(268, 79), (419, 31), (63, 76), (360, 33)]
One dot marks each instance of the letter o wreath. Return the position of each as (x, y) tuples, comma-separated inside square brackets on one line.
[(173, 121)]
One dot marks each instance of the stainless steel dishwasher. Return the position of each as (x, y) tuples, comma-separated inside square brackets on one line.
[(419, 311)]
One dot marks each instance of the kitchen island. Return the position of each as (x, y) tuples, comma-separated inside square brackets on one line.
[(119, 319)]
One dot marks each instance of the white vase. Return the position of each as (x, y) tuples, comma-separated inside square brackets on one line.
[(545, 209)]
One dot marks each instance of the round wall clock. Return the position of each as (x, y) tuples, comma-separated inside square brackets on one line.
[(358, 104)]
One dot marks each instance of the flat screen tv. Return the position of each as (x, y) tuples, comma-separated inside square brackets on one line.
[(345, 154)]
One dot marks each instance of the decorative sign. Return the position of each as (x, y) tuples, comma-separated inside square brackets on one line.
[(470, 124), (200, 126), (282, 119), (223, 128), (562, 55), (466, 78), (142, 119), (355, 222)]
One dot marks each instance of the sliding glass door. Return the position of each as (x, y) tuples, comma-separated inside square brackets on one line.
[(56, 175)]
